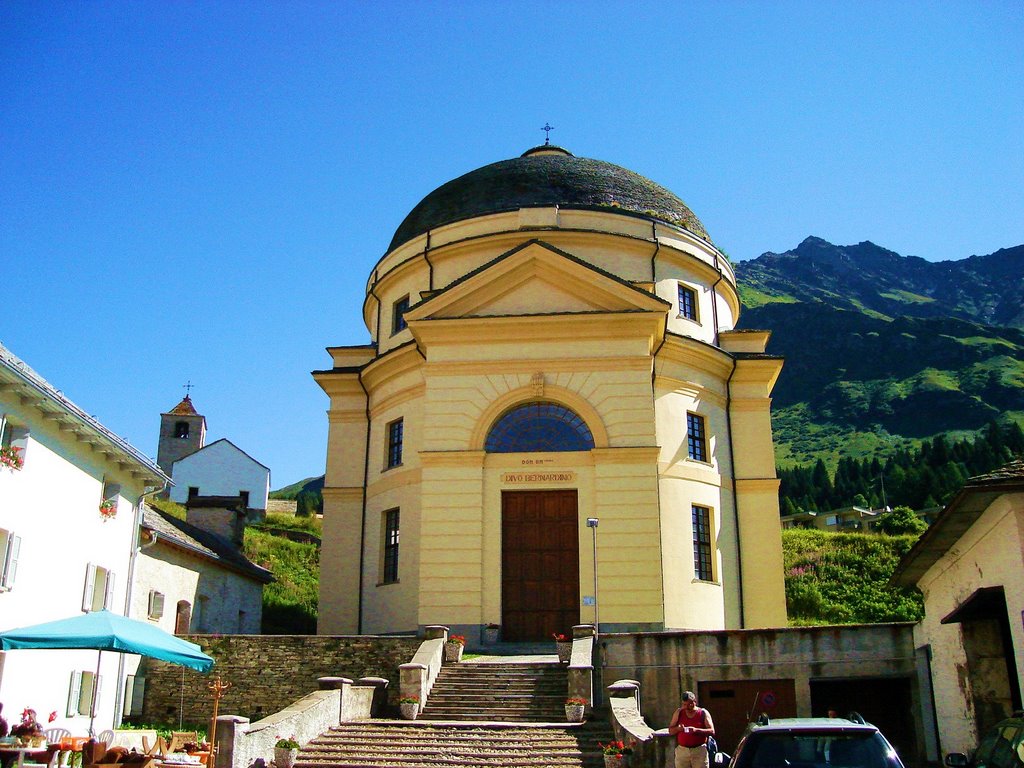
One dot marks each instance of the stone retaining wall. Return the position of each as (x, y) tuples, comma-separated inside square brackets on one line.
[(267, 673)]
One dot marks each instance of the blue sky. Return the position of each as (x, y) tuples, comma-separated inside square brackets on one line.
[(196, 191)]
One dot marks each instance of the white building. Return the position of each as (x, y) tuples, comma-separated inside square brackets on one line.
[(192, 578), (70, 494), (218, 469), (969, 565)]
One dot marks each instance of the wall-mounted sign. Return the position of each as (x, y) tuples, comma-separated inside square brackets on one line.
[(535, 476)]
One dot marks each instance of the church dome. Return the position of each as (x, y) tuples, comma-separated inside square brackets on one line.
[(542, 177)]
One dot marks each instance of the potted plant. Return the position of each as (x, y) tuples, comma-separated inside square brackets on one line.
[(410, 706), (616, 753), (491, 632), (285, 752), (454, 647), (574, 709), (563, 647)]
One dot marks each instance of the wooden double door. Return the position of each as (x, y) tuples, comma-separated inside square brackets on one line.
[(540, 572)]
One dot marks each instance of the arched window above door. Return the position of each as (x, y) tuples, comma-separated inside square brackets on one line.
[(539, 426)]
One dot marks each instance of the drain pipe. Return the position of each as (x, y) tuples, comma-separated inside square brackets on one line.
[(430, 267), (714, 299), (657, 247), (735, 495), (362, 517), (132, 560)]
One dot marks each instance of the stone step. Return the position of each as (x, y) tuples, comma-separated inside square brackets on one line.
[(404, 744)]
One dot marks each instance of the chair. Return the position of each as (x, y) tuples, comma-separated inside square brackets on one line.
[(106, 738), (56, 736), (180, 738)]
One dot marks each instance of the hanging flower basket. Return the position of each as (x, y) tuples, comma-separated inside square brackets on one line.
[(10, 457), (108, 509)]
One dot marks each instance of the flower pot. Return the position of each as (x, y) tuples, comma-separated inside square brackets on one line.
[(409, 711), (453, 651), (491, 635), (284, 757), (574, 713), (616, 761), (564, 651)]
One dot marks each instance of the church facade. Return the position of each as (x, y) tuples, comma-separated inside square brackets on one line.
[(554, 422)]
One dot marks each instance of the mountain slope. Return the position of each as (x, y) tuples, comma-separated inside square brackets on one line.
[(884, 350), (867, 278)]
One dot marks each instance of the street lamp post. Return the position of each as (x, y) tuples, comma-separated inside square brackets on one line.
[(592, 525)]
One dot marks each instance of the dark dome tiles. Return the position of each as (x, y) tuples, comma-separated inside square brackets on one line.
[(540, 181)]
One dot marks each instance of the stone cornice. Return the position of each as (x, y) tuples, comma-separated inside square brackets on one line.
[(337, 493), (431, 459), (758, 484)]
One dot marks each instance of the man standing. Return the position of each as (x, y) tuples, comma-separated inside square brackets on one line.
[(691, 726)]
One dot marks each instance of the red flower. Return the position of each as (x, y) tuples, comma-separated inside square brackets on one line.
[(52, 717)]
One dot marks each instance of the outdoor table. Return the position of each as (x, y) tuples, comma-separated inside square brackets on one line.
[(8, 753)]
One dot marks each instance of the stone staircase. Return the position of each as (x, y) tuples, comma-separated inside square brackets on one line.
[(496, 714), (408, 744), (499, 692)]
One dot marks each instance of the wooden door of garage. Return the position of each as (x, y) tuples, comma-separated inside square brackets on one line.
[(540, 576), (733, 703)]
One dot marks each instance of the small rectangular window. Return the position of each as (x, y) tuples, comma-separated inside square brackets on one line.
[(687, 302), (156, 604), (134, 695), (391, 535), (99, 588), (10, 548), (84, 693), (696, 438), (395, 438), (398, 315), (702, 543)]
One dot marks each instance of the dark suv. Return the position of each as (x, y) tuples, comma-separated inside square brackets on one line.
[(814, 742), (1002, 746)]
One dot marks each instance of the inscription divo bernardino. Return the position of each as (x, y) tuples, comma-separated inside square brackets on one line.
[(538, 477)]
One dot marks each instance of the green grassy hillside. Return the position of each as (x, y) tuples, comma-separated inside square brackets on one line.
[(843, 578)]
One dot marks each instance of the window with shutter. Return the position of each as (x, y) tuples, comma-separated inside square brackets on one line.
[(156, 604), (99, 588), (10, 546)]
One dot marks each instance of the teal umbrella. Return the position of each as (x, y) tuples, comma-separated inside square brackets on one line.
[(106, 631)]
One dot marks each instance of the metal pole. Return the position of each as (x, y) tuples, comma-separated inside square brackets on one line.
[(592, 524)]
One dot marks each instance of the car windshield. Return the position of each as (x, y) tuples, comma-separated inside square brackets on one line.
[(825, 749)]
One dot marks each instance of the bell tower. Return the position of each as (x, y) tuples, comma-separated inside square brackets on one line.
[(182, 432)]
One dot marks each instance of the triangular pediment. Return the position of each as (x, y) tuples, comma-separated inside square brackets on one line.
[(535, 279)]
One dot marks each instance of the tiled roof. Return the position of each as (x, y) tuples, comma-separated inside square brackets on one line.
[(57, 406), (203, 543), (1008, 472), (184, 408), (546, 179), (954, 521)]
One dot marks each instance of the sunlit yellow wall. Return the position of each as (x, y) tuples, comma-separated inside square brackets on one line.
[(625, 362)]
